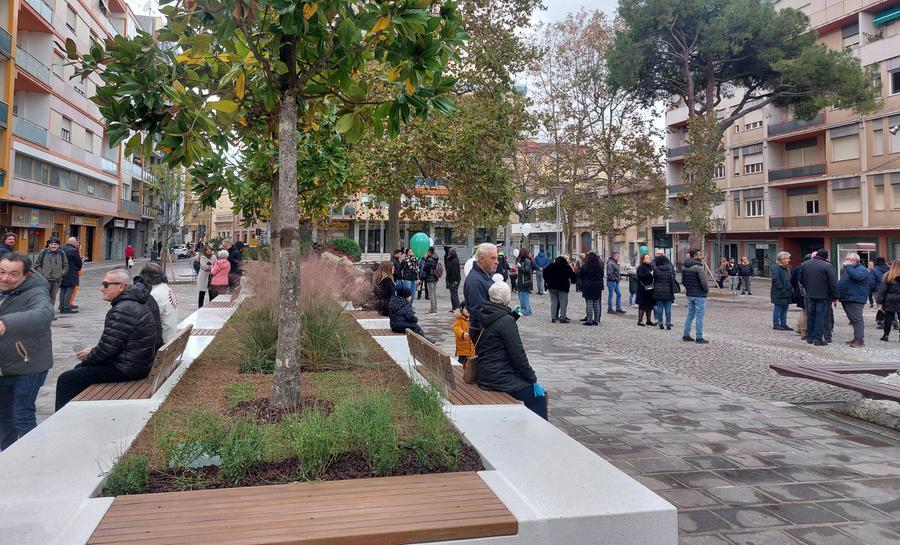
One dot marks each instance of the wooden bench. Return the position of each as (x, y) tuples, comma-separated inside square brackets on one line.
[(168, 357), (836, 375), (383, 511), (382, 333), (434, 364)]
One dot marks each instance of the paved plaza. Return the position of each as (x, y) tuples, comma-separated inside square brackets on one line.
[(86, 326), (709, 428)]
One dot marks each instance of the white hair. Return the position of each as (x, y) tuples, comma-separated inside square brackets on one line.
[(500, 293), (782, 255), (853, 257), (482, 249), (121, 275), (222, 254)]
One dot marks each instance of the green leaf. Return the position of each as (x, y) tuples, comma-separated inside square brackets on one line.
[(225, 106), (133, 143), (345, 123)]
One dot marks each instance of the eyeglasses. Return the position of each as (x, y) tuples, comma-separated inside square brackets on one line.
[(106, 284)]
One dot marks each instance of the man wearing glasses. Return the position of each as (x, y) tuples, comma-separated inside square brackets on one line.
[(127, 345)]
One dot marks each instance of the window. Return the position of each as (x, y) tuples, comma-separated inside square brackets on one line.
[(737, 163), (878, 142), (737, 206), (40, 172), (720, 172), (754, 125), (92, 41), (753, 163), (877, 183), (850, 35), (895, 188), (894, 123), (874, 73), (845, 147), (812, 206), (78, 83), (71, 19), (803, 152), (58, 65), (89, 140), (754, 207), (65, 129), (753, 120), (846, 200), (895, 82)]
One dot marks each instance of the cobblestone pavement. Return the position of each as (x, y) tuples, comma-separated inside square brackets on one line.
[(86, 326), (706, 426)]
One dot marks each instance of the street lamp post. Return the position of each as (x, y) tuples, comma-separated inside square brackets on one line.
[(720, 229), (558, 191)]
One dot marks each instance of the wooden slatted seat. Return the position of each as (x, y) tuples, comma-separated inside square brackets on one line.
[(168, 357), (365, 314), (837, 375), (384, 511), (381, 332), (434, 364)]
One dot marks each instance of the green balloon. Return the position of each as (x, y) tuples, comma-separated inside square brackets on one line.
[(645, 250), (419, 244)]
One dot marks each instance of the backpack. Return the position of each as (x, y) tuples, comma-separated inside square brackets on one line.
[(439, 270)]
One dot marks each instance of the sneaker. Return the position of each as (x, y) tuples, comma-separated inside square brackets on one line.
[(858, 343), (687, 339), (702, 341), (595, 323), (554, 320), (609, 311), (564, 320), (640, 323), (587, 323), (620, 311), (884, 338), (820, 343)]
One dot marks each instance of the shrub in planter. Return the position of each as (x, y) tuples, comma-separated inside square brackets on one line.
[(328, 342), (346, 246), (130, 475), (260, 337), (314, 440), (367, 427), (241, 450), (437, 444)]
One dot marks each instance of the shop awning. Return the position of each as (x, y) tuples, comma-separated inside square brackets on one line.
[(887, 15)]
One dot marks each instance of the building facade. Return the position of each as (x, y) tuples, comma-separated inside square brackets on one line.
[(795, 185)]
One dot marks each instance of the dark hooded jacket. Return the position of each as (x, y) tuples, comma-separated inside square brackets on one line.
[(663, 279), (781, 293), (451, 266), (591, 280), (878, 271), (502, 361), (889, 296), (693, 276), (26, 346), (75, 264), (402, 313), (559, 275), (130, 336)]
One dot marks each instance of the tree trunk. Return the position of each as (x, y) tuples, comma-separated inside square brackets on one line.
[(274, 225), (286, 383), (393, 226)]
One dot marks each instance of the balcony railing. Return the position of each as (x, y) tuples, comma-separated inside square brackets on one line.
[(129, 207), (5, 43), (134, 169), (794, 125), (30, 130), (148, 211), (43, 8), (796, 172), (788, 222), (680, 151), (33, 66), (4, 113), (344, 212), (109, 166)]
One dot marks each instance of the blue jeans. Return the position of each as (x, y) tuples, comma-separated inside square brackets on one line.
[(613, 287), (537, 405), (17, 396), (524, 303), (816, 315), (779, 315), (696, 309), (411, 284), (664, 306)]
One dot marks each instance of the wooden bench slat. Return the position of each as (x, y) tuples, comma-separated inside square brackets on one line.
[(387, 511), (866, 388)]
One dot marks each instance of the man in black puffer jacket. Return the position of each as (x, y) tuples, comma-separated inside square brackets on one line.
[(127, 346)]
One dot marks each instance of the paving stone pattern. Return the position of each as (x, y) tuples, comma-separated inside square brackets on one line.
[(86, 326), (705, 426)]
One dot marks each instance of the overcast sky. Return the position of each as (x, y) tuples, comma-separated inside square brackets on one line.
[(557, 9)]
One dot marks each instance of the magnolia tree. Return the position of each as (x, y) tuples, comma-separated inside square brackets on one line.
[(220, 64)]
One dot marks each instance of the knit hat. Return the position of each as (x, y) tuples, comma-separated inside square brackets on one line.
[(500, 293), (402, 291)]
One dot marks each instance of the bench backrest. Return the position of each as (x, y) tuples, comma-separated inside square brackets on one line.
[(435, 361), (167, 358)]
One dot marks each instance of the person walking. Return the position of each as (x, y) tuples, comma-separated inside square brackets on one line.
[(524, 280), (798, 297), (781, 292), (853, 292), (219, 271), (818, 278), (129, 257), (205, 260), (878, 271), (663, 290), (541, 262), (53, 265), (591, 278), (693, 276), (502, 361), (409, 272), (631, 274), (745, 273), (888, 297), (478, 282), (645, 288), (723, 272), (26, 349), (502, 265), (732, 276), (612, 283), (454, 276), (71, 278), (559, 277), (432, 275)]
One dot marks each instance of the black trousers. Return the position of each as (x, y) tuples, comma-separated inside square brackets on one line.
[(74, 381)]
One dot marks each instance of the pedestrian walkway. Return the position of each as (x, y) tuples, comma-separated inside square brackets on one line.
[(86, 326), (702, 425)]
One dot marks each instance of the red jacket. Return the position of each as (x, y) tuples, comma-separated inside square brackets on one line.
[(129, 251)]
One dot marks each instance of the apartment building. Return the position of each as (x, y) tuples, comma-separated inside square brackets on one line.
[(58, 174), (832, 182)]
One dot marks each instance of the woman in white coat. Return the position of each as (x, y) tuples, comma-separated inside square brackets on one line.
[(206, 259)]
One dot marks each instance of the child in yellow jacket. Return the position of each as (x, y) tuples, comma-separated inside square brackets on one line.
[(464, 346)]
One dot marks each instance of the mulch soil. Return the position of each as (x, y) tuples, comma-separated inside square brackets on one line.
[(263, 412)]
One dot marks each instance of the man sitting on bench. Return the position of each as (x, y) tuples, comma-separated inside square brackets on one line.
[(127, 347)]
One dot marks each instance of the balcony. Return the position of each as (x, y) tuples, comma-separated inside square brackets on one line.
[(135, 170), (36, 68), (4, 113), (346, 212), (679, 152), (5, 43), (674, 189), (148, 211), (796, 172), (795, 125), (43, 8), (798, 222), (30, 131), (130, 207), (678, 227), (109, 166)]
